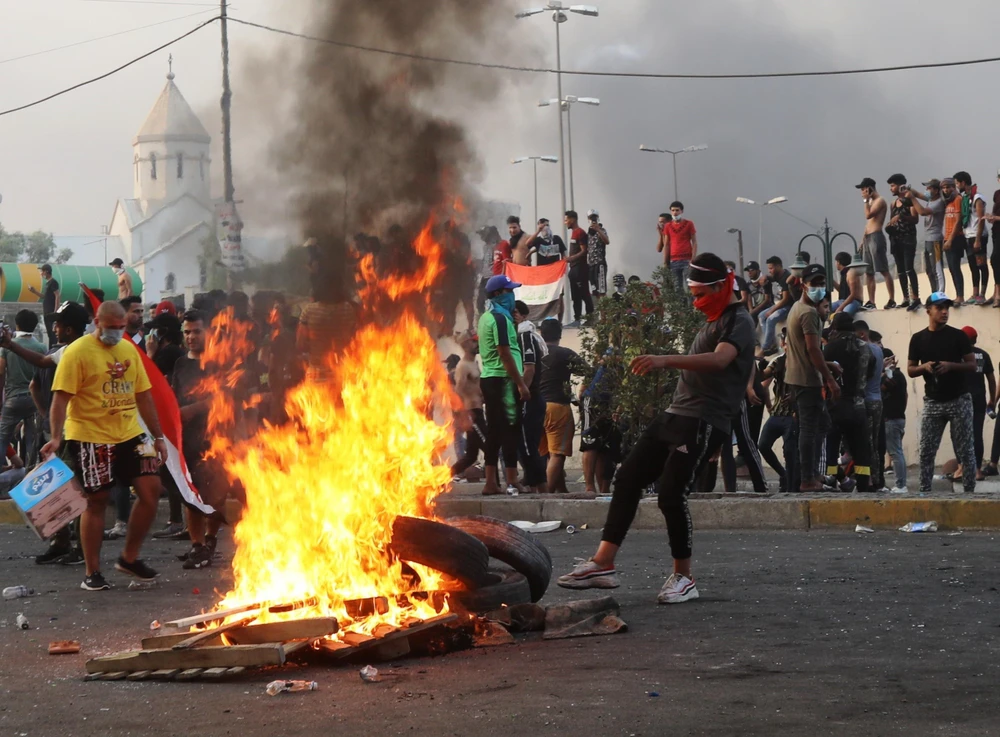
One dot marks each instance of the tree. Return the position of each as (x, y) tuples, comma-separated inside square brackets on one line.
[(650, 318), (36, 248)]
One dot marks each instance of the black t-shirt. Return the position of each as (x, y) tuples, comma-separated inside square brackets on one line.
[(187, 375), (984, 367), (166, 357), (944, 344), (778, 285), (49, 297), (741, 286), (560, 365), (894, 395), (550, 251), (857, 362), (531, 353)]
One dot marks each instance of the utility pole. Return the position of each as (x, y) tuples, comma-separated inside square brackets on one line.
[(227, 97)]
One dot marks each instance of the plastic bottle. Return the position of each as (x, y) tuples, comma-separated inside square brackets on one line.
[(276, 687), (17, 592), (22, 622)]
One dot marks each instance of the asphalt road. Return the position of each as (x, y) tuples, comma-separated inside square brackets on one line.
[(795, 634)]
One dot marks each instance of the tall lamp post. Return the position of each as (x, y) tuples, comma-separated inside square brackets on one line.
[(760, 221), (827, 240), (674, 154), (567, 105), (534, 160), (739, 245), (560, 17)]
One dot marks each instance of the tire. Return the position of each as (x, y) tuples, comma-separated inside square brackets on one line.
[(513, 546), (513, 589), (444, 548)]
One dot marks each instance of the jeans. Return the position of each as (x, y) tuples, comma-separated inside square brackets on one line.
[(849, 425), (672, 451), (954, 257), (579, 287), (786, 429), (16, 410), (771, 325), (851, 309), (814, 423), (933, 264), (532, 428), (957, 412), (894, 431), (904, 250), (680, 270), (978, 264), (978, 420), (873, 412), (749, 452)]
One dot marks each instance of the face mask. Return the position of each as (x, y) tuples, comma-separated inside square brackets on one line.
[(119, 271), (714, 303), (505, 302), (927, 194), (816, 294), (678, 218), (112, 337), (547, 233)]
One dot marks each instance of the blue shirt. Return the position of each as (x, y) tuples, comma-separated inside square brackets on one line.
[(873, 390)]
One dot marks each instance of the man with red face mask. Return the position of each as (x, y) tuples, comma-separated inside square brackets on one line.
[(678, 444)]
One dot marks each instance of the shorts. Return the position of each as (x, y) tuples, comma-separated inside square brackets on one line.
[(99, 466), (873, 249), (599, 277), (559, 430), (209, 479), (599, 434)]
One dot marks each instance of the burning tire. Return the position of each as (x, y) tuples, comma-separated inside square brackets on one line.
[(512, 589), (513, 546), (444, 548)]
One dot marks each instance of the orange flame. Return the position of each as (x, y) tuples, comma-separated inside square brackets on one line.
[(359, 450)]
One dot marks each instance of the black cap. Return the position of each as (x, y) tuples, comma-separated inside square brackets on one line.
[(897, 179), (811, 271), (117, 262), (45, 268), (73, 315), (842, 322), (753, 265), (866, 183)]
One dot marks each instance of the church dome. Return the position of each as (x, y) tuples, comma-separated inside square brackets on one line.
[(172, 119)]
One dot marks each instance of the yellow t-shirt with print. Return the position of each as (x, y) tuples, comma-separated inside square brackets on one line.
[(103, 381)]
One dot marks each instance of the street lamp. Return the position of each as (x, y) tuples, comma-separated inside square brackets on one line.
[(560, 17), (674, 154), (534, 160), (567, 105), (739, 245), (760, 221)]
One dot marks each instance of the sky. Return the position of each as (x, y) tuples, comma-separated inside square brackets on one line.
[(63, 164)]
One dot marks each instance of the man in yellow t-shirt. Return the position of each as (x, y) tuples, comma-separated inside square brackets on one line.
[(99, 391)]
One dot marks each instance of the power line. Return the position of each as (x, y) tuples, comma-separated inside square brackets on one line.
[(108, 74), (153, 2), (817, 228), (102, 38), (628, 75)]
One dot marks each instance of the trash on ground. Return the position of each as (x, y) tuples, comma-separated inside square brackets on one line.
[(17, 592), (276, 687), (22, 622), (143, 585), (154, 625), (549, 526), (862, 528), (583, 527), (491, 634), (64, 647), (583, 618), (369, 674), (654, 694), (919, 527), (570, 529)]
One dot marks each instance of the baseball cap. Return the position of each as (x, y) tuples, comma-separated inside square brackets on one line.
[(73, 315), (896, 179), (117, 262), (971, 332), (936, 183), (45, 268), (950, 181), (867, 182), (842, 322), (165, 307), (499, 283), (811, 271), (593, 214), (938, 298), (752, 266)]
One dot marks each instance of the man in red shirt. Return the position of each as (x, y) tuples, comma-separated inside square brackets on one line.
[(679, 245), (579, 274), (496, 253)]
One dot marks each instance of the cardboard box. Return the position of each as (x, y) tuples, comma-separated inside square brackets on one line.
[(49, 497)]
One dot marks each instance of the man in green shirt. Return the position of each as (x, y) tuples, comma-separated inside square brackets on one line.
[(16, 375), (502, 383)]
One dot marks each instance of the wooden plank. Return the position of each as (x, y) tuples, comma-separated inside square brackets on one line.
[(392, 650), (237, 671), (371, 642), (202, 637), (93, 676), (382, 630), (187, 622), (301, 629), (214, 673), (332, 646), (167, 674), (202, 657), (356, 639), (139, 675), (165, 642), (190, 674), (118, 675)]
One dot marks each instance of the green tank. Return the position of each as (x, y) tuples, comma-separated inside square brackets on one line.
[(16, 279)]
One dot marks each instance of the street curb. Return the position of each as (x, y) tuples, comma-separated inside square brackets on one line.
[(971, 514)]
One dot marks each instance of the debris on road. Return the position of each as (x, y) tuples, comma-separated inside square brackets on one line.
[(919, 527), (862, 528), (22, 622), (369, 674), (17, 592), (583, 618), (144, 585), (64, 647), (276, 687)]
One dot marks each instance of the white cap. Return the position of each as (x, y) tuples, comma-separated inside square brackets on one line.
[(593, 213)]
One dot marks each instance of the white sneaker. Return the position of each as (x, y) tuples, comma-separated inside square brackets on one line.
[(899, 490), (116, 532), (589, 575), (677, 589)]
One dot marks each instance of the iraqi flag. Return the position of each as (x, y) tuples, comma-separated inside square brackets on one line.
[(169, 413), (542, 288)]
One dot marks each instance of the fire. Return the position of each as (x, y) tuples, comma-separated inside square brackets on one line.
[(359, 450)]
